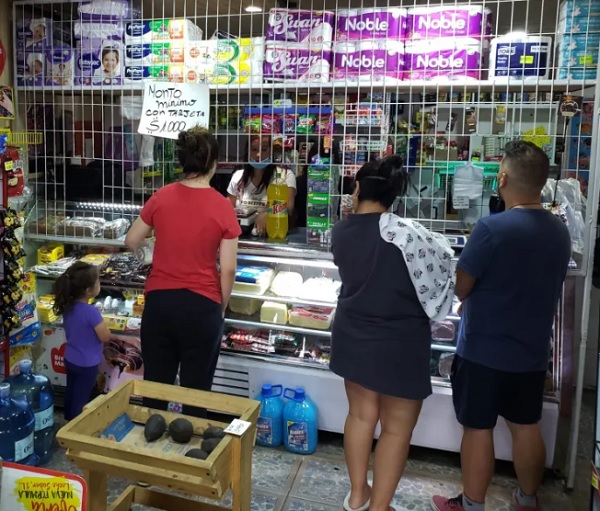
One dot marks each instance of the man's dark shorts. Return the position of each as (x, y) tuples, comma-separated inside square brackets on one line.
[(481, 394)]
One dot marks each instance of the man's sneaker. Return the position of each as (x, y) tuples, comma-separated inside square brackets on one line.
[(515, 506), (445, 504)]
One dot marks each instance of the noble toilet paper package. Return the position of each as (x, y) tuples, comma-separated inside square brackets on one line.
[(443, 60), (451, 21), (99, 62), (577, 51), (371, 61), (372, 23), (300, 26), (34, 34), (60, 67), (151, 54), (297, 63), (522, 58), (31, 68), (137, 32)]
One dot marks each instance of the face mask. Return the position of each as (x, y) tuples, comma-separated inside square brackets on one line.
[(259, 165)]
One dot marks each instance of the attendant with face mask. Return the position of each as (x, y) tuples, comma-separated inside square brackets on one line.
[(248, 186)]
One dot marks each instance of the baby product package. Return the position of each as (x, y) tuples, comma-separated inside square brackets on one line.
[(447, 21), (300, 26), (31, 68), (60, 67), (181, 29), (371, 23), (443, 60), (112, 30), (372, 61), (102, 8), (99, 62), (34, 34), (150, 54), (294, 62)]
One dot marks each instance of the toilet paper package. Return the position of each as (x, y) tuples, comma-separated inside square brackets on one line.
[(451, 21), (521, 58), (300, 26), (373, 61), (372, 23), (34, 34), (31, 68), (99, 62), (60, 67), (443, 59), (150, 54), (112, 30), (578, 50), (162, 73), (589, 73), (579, 25), (148, 31), (578, 8), (296, 62)]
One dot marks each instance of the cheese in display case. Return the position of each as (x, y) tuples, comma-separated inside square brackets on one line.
[(253, 280), (318, 318), (275, 313), (287, 284), (245, 306)]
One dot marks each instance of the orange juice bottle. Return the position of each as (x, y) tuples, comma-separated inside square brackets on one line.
[(277, 208)]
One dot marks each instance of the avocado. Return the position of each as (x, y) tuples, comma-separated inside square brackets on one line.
[(155, 427), (210, 444), (213, 432), (181, 430), (199, 454)]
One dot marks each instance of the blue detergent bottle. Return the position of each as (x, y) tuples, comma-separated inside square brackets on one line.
[(36, 390), (269, 427), (300, 422), (17, 424)]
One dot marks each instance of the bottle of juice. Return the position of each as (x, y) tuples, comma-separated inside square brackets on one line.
[(277, 204)]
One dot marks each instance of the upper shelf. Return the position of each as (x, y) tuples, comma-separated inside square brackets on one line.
[(399, 87)]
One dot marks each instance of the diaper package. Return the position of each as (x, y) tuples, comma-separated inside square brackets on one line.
[(60, 67), (112, 30), (31, 68), (99, 62), (300, 26), (371, 23), (294, 62), (102, 8), (447, 21), (181, 29), (34, 34), (371, 61)]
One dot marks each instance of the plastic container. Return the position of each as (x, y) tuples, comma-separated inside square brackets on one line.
[(36, 390), (270, 422), (277, 213), (17, 424), (300, 422)]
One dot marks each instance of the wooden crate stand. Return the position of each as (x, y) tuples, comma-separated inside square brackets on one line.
[(228, 466)]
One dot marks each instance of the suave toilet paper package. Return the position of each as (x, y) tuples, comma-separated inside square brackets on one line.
[(371, 23), (300, 26), (451, 21), (371, 61), (296, 62), (443, 60)]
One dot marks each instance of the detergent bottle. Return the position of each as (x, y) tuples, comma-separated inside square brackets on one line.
[(277, 207), (300, 422), (270, 422)]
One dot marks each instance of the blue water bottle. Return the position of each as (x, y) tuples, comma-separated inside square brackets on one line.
[(300, 422), (269, 427), (36, 389), (17, 424)]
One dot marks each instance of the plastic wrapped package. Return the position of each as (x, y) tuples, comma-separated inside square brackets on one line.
[(116, 228), (443, 331), (84, 227), (320, 288), (253, 279), (245, 306), (318, 318), (275, 313), (287, 283)]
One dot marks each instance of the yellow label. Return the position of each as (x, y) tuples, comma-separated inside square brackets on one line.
[(8, 166), (586, 60), (36, 493), (526, 59), (595, 481)]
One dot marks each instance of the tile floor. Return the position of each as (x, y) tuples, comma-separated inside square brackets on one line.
[(283, 481)]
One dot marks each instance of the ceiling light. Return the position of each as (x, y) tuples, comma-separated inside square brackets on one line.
[(253, 8)]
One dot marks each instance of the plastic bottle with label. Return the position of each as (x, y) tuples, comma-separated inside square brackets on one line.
[(36, 390), (270, 422), (277, 207), (17, 424), (300, 423)]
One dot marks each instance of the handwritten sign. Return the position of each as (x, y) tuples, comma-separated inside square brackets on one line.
[(170, 108), (34, 489)]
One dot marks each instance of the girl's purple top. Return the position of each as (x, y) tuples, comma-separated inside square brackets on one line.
[(83, 346)]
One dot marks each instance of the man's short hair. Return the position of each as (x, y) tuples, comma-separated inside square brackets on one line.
[(527, 164)]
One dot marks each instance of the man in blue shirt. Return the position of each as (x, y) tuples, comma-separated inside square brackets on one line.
[(509, 278)]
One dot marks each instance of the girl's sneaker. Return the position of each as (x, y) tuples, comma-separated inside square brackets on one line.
[(515, 506), (439, 503)]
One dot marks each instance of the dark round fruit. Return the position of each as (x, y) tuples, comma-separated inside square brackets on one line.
[(155, 427), (210, 445), (213, 432), (199, 454), (181, 430)]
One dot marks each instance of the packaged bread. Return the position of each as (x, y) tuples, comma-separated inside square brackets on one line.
[(287, 284), (45, 225), (275, 313), (317, 318), (116, 228), (254, 280), (81, 227), (245, 306)]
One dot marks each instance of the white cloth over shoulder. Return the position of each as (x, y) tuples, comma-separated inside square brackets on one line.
[(428, 257)]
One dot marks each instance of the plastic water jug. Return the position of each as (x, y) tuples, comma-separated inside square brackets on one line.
[(300, 422), (270, 422), (17, 424), (36, 389)]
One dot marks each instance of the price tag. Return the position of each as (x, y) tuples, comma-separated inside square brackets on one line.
[(237, 427), (460, 202)]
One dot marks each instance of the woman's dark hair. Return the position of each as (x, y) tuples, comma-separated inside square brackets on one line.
[(198, 151), (110, 49), (268, 171), (382, 180), (72, 285)]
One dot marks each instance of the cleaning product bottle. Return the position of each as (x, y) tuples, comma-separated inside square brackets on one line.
[(277, 207), (270, 422), (36, 390), (17, 424), (300, 422)]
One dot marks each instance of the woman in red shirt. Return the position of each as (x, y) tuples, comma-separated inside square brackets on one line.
[(186, 295)]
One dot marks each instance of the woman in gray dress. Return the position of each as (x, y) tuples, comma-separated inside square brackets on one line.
[(380, 341)]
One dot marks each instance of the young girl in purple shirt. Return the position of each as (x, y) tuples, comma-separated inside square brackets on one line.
[(86, 332)]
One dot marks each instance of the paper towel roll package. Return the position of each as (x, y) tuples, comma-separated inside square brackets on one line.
[(374, 61), (443, 60), (371, 23), (300, 26), (150, 54), (452, 21), (285, 61), (520, 58)]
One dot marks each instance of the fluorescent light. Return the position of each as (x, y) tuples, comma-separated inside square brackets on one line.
[(253, 8)]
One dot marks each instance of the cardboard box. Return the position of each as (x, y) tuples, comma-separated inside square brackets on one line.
[(50, 253)]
